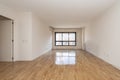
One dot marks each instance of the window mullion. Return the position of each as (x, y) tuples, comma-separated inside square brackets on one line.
[(62, 38), (68, 39)]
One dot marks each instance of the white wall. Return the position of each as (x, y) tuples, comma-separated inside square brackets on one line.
[(23, 34), (34, 36), (10, 13), (5, 40), (78, 38), (41, 37), (103, 36)]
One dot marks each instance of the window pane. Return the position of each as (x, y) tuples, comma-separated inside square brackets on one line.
[(65, 43), (71, 36), (72, 43), (65, 36), (58, 36), (58, 43)]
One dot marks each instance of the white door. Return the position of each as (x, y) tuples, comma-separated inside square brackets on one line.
[(6, 40)]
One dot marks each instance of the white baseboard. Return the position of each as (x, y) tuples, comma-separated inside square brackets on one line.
[(42, 53), (33, 58), (116, 66)]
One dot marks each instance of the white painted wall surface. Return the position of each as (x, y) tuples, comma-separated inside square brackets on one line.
[(13, 14), (23, 33), (103, 36), (25, 36), (41, 37), (5, 40)]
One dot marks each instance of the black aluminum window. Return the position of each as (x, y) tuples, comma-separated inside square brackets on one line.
[(65, 38)]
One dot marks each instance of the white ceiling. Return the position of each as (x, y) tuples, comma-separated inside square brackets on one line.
[(62, 12)]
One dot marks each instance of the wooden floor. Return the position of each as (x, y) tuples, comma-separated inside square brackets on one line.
[(60, 65)]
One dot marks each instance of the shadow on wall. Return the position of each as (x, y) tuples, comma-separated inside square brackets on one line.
[(92, 47)]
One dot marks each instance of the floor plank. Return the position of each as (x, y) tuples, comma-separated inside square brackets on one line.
[(60, 65)]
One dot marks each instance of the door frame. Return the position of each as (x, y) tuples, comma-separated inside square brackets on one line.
[(12, 36), (12, 41)]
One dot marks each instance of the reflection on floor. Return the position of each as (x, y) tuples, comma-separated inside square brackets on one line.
[(60, 65), (65, 58)]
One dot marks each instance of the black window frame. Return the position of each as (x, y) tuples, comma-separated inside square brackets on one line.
[(65, 41)]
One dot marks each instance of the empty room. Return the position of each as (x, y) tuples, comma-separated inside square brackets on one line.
[(59, 40)]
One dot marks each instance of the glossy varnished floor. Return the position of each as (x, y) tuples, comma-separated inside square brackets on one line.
[(60, 65)]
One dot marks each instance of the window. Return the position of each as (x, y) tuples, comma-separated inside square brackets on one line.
[(65, 38)]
